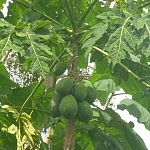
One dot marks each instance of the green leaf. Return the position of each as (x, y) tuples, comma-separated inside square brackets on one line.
[(1, 3), (38, 31), (19, 95), (15, 16), (5, 78), (104, 88), (119, 41), (136, 110), (95, 33), (6, 84), (104, 142), (105, 85), (142, 24), (126, 132)]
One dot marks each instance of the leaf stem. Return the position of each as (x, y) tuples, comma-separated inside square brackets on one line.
[(109, 99), (133, 74), (69, 14), (144, 5), (30, 108), (5, 57), (141, 64), (42, 13), (87, 12), (125, 67)]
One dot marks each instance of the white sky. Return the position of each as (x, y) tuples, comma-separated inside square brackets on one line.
[(139, 128)]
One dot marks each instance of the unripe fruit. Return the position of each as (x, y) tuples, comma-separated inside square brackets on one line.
[(54, 105), (80, 92), (64, 86), (59, 68), (91, 95), (85, 112), (68, 107)]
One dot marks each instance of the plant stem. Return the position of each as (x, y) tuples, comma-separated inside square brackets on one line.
[(145, 5), (69, 14), (42, 13), (69, 143), (30, 108), (133, 74), (123, 66), (138, 63), (109, 99), (87, 12), (6, 56), (31, 94)]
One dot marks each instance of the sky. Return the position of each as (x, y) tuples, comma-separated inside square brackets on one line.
[(139, 128)]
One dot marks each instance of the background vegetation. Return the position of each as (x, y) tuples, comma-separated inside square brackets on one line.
[(36, 34)]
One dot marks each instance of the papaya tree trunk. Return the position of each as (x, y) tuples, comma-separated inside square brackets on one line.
[(69, 135), (69, 143)]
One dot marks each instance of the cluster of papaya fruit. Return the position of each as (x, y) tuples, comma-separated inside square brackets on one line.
[(72, 100)]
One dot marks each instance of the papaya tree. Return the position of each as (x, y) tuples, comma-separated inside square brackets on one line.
[(58, 58)]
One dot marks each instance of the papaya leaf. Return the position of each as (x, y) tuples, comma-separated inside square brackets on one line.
[(5, 78), (1, 3), (95, 33), (6, 84), (5, 40), (119, 41), (143, 36), (32, 42), (14, 16), (137, 110), (104, 88), (126, 132), (105, 85), (103, 141)]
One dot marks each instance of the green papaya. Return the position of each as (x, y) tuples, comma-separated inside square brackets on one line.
[(85, 112), (91, 95), (80, 92), (64, 86), (54, 105), (59, 68), (68, 107)]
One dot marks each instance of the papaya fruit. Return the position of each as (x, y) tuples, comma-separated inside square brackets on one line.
[(54, 105), (64, 86), (85, 112), (59, 68), (91, 95), (68, 107), (80, 92)]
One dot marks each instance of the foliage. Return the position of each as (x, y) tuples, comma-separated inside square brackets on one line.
[(42, 33)]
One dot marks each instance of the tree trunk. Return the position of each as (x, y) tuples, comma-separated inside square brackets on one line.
[(69, 143)]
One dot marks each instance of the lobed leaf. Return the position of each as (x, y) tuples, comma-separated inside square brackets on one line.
[(95, 33)]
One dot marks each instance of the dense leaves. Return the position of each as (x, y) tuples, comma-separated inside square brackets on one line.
[(113, 53)]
